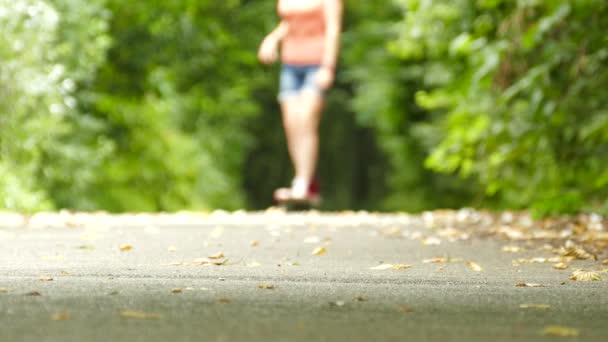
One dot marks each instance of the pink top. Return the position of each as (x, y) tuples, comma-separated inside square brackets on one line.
[(304, 42)]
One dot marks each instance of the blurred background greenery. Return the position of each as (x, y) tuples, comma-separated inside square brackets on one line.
[(162, 106)]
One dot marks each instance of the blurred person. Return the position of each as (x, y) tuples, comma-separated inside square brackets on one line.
[(308, 36)]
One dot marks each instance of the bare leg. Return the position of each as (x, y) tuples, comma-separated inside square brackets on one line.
[(301, 117)]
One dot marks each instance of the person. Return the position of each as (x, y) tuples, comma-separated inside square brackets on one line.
[(308, 35)]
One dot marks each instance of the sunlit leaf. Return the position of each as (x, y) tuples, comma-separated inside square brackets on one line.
[(535, 306), (556, 330), (254, 243), (60, 316), (45, 278), (139, 315), (125, 247), (528, 285), (218, 255), (575, 251), (4, 290), (560, 266), (390, 267), (582, 275), (319, 251), (253, 264), (266, 286), (473, 266), (512, 249)]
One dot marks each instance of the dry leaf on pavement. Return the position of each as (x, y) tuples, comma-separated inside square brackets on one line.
[(360, 299), (473, 266), (177, 290), (266, 286), (60, 316), (528, 285), (575, 251), (605, 262), (405, 309), (45, 278), (535, 306), (581, 275), (218, 255), (125, 247), (512, 249), (319, 251), (390, 267), (254, 243), (139, 315), (560, 266), (556, 330), (4, 290), (223, 299), (33, 293)]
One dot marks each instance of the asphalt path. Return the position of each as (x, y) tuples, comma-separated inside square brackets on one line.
[(152, 279)]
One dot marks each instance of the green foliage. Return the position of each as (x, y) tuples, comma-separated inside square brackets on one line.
[(518, 86)]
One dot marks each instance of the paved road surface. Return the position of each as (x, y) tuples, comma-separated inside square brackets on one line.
[(329, 297)]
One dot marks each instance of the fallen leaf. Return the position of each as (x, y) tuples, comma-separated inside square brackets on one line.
[(125, 247), (338, 303), (535, 306), (405, 309), (4, 290), (605, 262), (560, 266), (581, 275), (390, 267), (45, 278), (473, 266), (60, 316), (319, 251), (575, 251), (139, 315), (171, 249), (266, 286), (431, 241), (33, 293), (528, 285), (556, 330), (177, 290), (512, 249), (254, 243), (436, 260), (223, 299), (360, 299), (218, 255)]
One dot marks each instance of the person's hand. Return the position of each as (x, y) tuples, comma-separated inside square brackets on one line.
[(268, 53), (325, 77)]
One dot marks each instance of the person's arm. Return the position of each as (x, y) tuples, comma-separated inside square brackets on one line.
[(268, 49), (333, 26)]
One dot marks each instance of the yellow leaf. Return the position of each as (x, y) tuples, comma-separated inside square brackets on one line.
[(436, 260), (512, 249), (431, 241), (319, 251), (535, 306), (575, 251), (218, 255), (266, 286), (254, 243), (473, 266), (125, 247), (556, 330), (582, 275), (560, 266), (390, 267), (605, 262), (223, 299), (139, 315), (45, 278), (528, 285), (60, 316)]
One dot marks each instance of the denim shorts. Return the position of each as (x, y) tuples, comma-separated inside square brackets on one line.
[(297, 78)]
